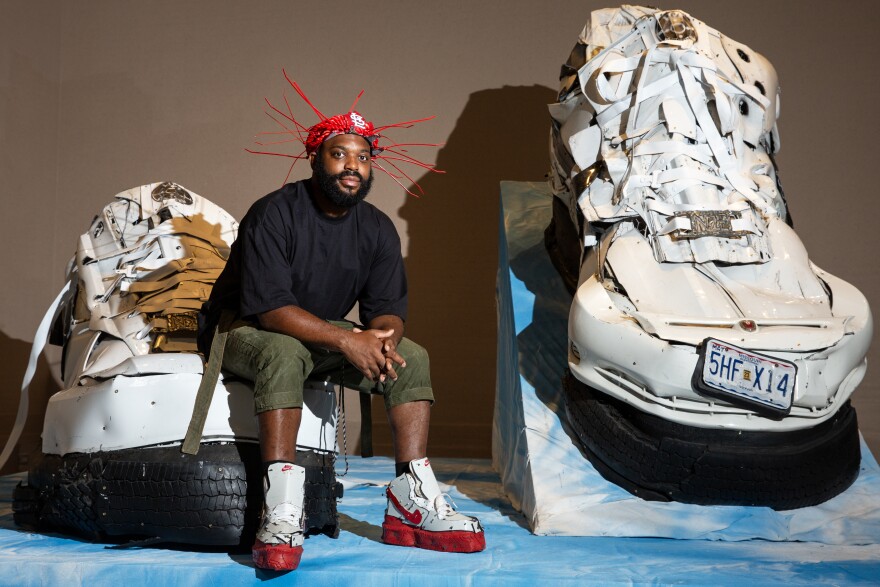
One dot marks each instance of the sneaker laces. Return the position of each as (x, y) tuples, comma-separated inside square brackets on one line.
[(285, 515), (442, 506)]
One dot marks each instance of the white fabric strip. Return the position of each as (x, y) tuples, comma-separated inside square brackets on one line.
[(40, 338)]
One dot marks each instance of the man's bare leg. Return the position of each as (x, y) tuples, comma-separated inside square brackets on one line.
[(279, 540), (417, 514), (278, 430), (409, 430)]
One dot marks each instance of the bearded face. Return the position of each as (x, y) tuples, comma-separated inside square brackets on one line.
[(342, 167)]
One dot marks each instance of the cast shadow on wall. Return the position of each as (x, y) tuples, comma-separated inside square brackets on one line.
[(16, 353), (453, 255)]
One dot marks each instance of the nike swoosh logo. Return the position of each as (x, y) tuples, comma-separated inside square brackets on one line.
[(412, 517)]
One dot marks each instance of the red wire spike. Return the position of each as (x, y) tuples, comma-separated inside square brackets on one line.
[(303, 95), (402, 172), (288, 117), (252, 152), (289, 171), (406, 124), (353, 104), (267, 143), (397, 181)]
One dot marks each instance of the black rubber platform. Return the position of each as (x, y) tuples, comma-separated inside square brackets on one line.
[(663, 461), (212, 498)]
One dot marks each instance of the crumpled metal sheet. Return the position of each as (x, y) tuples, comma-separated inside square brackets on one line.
[(662, 146), (153, 253), (668, 120)]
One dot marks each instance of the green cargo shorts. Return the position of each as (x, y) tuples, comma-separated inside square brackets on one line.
[(278, 365)]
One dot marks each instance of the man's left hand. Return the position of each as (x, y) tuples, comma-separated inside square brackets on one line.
[(389, 349)]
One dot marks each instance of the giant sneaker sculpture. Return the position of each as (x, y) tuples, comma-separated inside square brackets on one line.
[(710, 361), (111, 463)]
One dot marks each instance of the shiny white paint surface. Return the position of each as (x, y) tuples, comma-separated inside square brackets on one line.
[(149, 410), (676, 129)]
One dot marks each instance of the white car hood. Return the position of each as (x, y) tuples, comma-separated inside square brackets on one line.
[(781, 304)]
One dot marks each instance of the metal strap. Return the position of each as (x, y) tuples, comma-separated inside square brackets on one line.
[(206, 388)]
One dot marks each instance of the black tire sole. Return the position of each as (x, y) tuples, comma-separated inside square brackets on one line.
[(659, 460), (213, 498)]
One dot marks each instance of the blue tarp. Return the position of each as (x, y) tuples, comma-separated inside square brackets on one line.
[(513, 557)]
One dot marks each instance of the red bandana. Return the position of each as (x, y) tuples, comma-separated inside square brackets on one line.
[(349, 123)]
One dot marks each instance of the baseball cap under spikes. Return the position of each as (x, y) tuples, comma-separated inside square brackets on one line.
[(350, 123), (390, 154)]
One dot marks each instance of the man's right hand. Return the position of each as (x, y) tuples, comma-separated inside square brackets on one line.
[(364, 350)]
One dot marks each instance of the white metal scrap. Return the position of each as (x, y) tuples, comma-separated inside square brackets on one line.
[(662, 150)]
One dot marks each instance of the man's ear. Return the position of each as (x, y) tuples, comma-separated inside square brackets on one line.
[(312, 158)]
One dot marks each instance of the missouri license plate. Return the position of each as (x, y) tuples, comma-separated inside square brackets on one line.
[(745, 378)]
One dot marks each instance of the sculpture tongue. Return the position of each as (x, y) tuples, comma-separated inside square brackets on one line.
[(421, 470)]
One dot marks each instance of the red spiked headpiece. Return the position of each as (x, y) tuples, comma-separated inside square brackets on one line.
[(349, 123)]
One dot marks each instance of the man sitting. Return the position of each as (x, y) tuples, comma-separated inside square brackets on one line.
[(304, 255)]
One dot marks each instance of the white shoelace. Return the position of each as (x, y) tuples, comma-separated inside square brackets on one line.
[(442, 506), (286, 519)]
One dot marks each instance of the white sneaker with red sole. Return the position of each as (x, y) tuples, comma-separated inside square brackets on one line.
[(418, 515), (279, 541)]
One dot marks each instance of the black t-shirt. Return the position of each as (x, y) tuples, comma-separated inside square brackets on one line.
[(289, 253)]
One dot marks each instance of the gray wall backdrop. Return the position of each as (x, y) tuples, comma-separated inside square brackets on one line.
[(97, 97)]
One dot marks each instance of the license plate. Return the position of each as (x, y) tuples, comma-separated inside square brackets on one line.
[(745, 378)]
